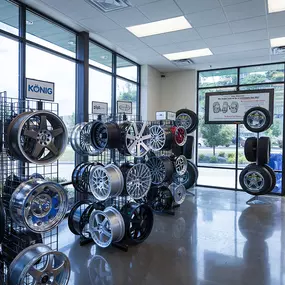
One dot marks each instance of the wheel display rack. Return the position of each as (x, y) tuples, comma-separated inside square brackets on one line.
[(12, 173)]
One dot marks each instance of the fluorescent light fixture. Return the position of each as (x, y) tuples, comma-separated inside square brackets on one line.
[(160, 27), (276, 6), (188, 54), (277, 42)]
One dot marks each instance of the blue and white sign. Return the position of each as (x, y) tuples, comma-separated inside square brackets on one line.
[(39, 90)]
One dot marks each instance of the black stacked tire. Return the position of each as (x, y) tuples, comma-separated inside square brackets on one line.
[(250, 149), (187, 119)]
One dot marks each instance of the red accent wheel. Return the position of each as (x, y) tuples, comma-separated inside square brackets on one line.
[(180, 135)]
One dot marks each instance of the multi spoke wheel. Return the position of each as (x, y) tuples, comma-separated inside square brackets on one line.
[(184, 120), (178, 192), (157, 140), (160, 198), (180, 136), (138, 139), (181, 165), (38, 264), (181, 179), (138, 221), (99, 135), (37, 137), (38, 205), (254, 181), (257, 119), (107, 227), (106, 181), (161, 169), (138, 181)]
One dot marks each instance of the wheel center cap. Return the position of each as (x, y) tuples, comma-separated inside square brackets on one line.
[(45, 279)]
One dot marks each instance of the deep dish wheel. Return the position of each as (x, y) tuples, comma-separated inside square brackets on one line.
[(39, 265), (178, 192), (181, 165), (187, 119)]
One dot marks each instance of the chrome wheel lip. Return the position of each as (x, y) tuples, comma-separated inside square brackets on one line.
[(252, 122), (178, 192), (23, 197), (112, 226), (137, 139), (181, 165), (254, 186), (185, 123), (49, 157), (158, 138), (138, 181), (74, 138), (21, 265)]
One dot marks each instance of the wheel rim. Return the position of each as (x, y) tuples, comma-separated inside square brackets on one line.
[(253, 181), (184, 120), (162, 199), (85, 140), (157, 170), (180, 136), (138, 139), (99, 135), (38, 205), (178, 192), (107, 227), (256, 119), (74, 140), (39, 265), (181, 165), (37, 137), (157, 141), (138, 181), (181, 179), (100, 272)]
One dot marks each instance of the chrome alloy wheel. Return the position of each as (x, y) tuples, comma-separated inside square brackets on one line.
[(178, 192), (157, 140), (183, 120), (256, 119), (254, 181), (181, 165)]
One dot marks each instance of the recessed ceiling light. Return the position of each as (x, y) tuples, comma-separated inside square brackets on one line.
[(277, 42), (71, 43), (104, 57), (28, 22), (188, 54), (276, 6), (160, 27)]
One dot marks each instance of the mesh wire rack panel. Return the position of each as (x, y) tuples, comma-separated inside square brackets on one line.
[(12, 173)]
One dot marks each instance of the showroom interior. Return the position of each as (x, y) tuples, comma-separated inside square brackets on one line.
[(141, 142)]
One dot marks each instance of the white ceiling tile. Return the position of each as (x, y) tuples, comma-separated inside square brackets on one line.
[(276, 19), (183, 46), (141, 2), (276, 32), (276, 58), (251, 24), (131, 45), (205, 18), (214, 30), (193, 6), (128, 17), (241, 47), (118, 36), (174, 37), (161, 10), (232, 2), (99, 24), (237, 38), (245, 10), (145, 53)]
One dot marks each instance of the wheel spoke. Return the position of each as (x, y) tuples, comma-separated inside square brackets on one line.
[(52, 148), (142, 130), (58, 270), (131, 137), (35, 273), (43, 123), (146, 137), (57, 132), (31, 134), (37, 150)]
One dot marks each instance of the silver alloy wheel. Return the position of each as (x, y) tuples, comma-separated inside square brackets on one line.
[(254, 181), (181, 179), (183, 120), (138, 181), (106, 181), (39, 264), (38, 205), (178, 192), (157, 170), (157, 141), (181, 165), (107, 226), (256, 119), (74, 141), (38, 137), (138, 139)]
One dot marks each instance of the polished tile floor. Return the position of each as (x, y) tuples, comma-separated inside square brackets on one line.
[(215, 238)]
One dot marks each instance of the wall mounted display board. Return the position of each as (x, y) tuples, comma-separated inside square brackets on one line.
[(230, 107), (39, 90)]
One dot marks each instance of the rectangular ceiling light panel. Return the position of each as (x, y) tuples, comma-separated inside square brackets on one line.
[(160, 27), (276, 6), (188, 54), (277, 42)]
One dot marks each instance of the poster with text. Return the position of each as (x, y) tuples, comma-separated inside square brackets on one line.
[(230, 107)]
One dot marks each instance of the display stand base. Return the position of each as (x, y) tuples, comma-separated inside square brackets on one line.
[(122, 246), (85, 241), (188, 193), (256, 201)]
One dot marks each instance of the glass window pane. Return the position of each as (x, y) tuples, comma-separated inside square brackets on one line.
[(217, 78), (100, 88), (127, 69), (9, 17), (50, 35), (128, 92), (100, 57), (64, 94), (216, 177), (262, 74), (9, 51)]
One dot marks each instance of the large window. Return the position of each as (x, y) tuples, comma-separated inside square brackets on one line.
[(220, 153), (9, 17)]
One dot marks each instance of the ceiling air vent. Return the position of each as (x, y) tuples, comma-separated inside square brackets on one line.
[(278, 50), (110, 5), (183, 62)]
